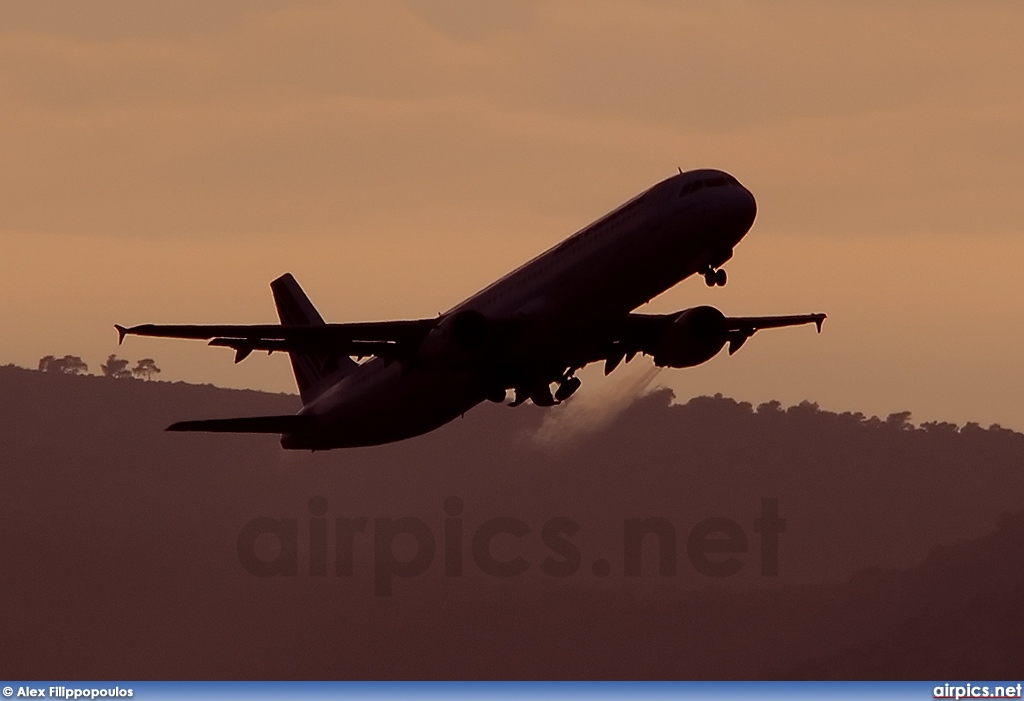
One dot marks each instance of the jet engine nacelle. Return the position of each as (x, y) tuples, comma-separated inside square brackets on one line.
[(456, 342), (694, 336)]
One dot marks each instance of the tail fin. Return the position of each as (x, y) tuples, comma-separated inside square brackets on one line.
[(295, 309)]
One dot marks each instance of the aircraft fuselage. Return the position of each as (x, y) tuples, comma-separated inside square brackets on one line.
[(599, 274)]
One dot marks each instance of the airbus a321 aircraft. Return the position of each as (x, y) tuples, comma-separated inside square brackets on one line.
[(568, 307)]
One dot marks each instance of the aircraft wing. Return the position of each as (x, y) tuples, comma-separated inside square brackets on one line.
[(387, 339), (643, 329), (641, 333), (743, 327), (397, 340), (753, 323)]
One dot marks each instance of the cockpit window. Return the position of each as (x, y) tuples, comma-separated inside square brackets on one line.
[(724, 180)]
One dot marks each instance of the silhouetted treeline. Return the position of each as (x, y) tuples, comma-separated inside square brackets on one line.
[(115, 368), (120, 543)]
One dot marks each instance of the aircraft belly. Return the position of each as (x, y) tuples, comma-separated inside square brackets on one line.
[(381, 404)]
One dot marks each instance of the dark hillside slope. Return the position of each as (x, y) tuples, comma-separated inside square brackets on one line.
[(958, 615), (119, 545)]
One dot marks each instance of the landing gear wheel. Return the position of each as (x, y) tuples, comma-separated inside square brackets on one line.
[(567, 388), (715, 277)]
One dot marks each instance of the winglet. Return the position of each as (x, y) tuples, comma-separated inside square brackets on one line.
[(121, 331), (819, 321)]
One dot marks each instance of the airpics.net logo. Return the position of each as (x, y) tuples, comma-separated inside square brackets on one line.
[(715, 547), (977, 691)]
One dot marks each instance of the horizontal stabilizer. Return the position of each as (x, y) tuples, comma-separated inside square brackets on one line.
[(289, 423)]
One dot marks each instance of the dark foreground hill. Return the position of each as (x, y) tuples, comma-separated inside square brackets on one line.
[(128, 552)]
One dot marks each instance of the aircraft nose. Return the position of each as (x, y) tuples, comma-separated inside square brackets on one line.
[(737, 213), (747, 208), (739, 208)]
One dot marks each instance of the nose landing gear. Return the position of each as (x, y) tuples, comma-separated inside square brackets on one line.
[(714, 277)]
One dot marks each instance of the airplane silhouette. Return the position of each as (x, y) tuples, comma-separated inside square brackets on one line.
[(534, 328)]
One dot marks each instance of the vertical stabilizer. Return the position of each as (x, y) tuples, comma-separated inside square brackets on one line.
[(295, 309)]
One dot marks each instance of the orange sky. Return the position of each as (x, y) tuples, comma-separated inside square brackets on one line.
[(162, 162)]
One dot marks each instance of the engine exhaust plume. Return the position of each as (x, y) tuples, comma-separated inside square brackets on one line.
[(596, 405)]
